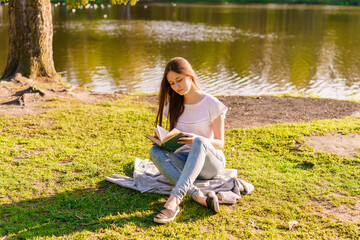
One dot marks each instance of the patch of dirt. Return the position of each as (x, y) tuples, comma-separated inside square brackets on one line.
[(344, 145), (31, 152), (39, 184), (342, 212), (246, 112), (204, 228), (24, 154), (21, 96), (64, 161)]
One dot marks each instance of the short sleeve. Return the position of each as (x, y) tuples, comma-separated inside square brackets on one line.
[(216, 108)]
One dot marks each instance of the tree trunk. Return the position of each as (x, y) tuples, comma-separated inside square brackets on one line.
[(30, 40)]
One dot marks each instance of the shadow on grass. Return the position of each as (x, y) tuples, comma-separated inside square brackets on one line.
[(107, 206)]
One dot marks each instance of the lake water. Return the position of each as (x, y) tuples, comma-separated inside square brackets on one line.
[(235, 49)]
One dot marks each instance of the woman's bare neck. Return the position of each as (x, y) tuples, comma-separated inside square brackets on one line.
[(193, 97)]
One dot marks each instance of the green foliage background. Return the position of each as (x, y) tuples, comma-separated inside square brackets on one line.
[(78, 3)]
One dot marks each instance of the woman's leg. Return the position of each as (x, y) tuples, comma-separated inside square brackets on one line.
[(169, 164), (203, 162)]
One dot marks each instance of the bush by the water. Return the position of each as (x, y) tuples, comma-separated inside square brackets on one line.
[(327, 2)]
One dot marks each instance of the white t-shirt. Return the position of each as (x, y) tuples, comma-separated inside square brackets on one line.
[(197, 118)]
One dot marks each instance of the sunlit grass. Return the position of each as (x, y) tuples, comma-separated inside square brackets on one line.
[(52, 169)]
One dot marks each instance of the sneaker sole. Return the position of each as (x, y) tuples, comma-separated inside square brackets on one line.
[(216, 202), (216, 205), (163, 221)]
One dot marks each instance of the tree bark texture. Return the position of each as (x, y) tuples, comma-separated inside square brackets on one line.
[(30, 40)]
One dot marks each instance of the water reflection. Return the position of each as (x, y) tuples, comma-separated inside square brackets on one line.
[(235, 49)]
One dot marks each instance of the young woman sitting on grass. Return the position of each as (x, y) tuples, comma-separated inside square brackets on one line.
[(200, 117)]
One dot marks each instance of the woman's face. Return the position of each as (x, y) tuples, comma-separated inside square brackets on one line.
[(180, 83)]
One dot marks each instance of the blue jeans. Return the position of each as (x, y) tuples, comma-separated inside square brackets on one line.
[(182, 168)]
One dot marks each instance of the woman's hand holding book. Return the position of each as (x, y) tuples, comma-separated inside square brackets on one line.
[(187, 139)]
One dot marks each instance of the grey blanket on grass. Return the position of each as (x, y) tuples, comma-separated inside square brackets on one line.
[(147, 178)]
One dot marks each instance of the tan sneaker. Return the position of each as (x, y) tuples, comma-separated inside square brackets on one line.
[(212, 202), (166, 215)]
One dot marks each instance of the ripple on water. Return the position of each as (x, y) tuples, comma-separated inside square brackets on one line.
[(164, 31)]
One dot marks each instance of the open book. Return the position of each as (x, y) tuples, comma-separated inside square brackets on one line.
[(167, 140)]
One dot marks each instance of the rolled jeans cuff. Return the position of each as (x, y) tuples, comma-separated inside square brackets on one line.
[(192, 193)]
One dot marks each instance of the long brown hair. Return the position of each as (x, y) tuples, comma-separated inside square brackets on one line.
[(168, 96)]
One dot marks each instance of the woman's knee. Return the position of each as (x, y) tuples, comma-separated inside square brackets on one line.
[(199, 141), (154, 151), (207, 175)]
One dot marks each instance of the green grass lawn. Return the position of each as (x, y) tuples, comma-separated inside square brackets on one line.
[(52, 169)]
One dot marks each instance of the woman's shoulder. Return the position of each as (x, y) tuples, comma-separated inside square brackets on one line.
[(215, 104), (206, 101), (210, 98)]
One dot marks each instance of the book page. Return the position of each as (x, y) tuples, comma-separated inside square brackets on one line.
[(161, 132), (157, 133), (171, 134), (154, 140)]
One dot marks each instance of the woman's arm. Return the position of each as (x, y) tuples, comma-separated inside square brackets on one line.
[(218, 128)]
